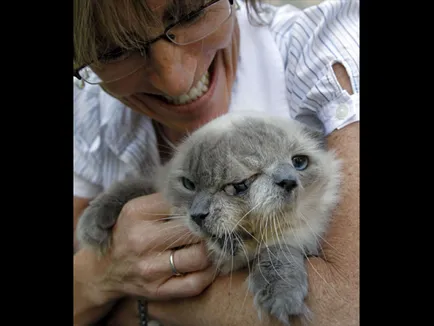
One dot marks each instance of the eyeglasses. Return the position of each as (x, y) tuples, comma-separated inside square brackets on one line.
[(190, 28)]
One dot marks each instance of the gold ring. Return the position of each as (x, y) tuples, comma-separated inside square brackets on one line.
[(172, 265)]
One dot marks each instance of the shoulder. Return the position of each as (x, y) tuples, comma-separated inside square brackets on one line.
[(286, 18), (332, 26), (312, 41)]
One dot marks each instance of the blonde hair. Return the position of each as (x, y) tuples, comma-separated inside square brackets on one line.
[(100, 25)]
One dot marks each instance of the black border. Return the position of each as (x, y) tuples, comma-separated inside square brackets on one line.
[(38, 154), (38, 104), (390, 220)]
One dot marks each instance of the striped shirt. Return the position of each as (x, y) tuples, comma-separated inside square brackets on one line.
[(284, 69)]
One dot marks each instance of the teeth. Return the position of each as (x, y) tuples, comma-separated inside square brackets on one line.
[(194, 93)]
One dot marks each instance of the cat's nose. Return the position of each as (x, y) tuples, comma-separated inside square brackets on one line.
[(287, 184), (284, 175), (199, 218)]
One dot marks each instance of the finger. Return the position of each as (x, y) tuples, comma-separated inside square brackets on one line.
[(153, 236), (190, 259), (164, 236), (187, 260), (188, 285), (177, 234), (150, 207)]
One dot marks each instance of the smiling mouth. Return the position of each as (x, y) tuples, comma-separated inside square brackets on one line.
[(201, 88), (193, 94)]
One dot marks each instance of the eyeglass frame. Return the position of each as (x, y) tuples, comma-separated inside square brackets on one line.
[(162, 36)]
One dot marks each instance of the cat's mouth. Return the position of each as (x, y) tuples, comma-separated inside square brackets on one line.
[(241, 235), (227, 243), (230, 242)]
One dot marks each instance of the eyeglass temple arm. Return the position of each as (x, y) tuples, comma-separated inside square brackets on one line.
[(76, 74), (164, 36)]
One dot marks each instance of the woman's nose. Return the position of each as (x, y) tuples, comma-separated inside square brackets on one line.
[(173, 68)]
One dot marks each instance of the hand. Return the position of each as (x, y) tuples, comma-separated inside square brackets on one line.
[(137, 262)]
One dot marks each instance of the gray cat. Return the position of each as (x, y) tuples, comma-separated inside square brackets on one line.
[(260, 191)]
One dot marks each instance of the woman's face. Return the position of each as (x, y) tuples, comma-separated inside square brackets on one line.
[(183, 86)]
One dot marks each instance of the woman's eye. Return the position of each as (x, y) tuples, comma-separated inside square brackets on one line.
[(300, 162), (194, 17), (188, 184), (115, 56)]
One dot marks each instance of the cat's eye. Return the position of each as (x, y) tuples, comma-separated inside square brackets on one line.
[(236, 188), (300, 162), (240, 187), (188, 184)]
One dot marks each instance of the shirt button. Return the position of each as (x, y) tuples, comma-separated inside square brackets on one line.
[(342, 111)]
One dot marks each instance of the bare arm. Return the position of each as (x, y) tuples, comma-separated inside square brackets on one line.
[(334, 278)]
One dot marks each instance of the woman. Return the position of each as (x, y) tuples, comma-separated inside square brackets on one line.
[(146, 73)]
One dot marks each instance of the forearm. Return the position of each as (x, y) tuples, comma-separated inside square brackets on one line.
[(226, 302), (333, 295), (90, 304), (334, 278)]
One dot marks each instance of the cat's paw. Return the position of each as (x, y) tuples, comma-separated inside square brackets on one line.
[(280, 288), (281, 299), (94, 228)]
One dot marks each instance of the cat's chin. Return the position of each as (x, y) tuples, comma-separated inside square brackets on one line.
[(226, 263), (229, 266)]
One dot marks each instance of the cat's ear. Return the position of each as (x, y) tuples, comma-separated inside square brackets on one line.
[(313, 127)]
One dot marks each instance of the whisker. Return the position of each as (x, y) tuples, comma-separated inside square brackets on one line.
[(266, 247), (187, 233), (228, 236), (253, 237), (316, 235), (156, 236), (288, 249), (248, 267), (168, 215), (271, 260), (239, 221), (168, 147), (308, 260), (322, 238), (222, 252), (172, 218)]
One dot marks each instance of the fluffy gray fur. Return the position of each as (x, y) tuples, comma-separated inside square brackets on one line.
[(260, 190)]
